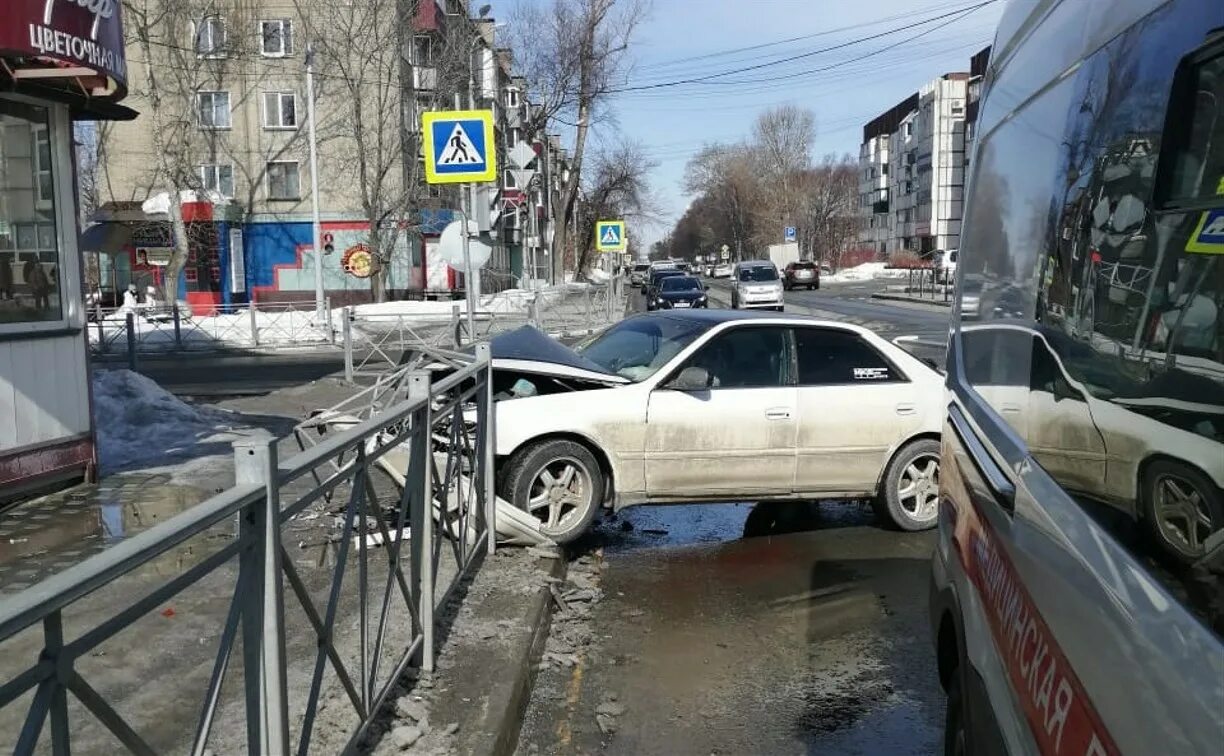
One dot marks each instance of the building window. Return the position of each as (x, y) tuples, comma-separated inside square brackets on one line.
[(30, 267), (958, 109), (218, 178), (422, 50), (210, 37), (284, 183), (214, 109), (512, 98), (280, 110), (276, 38)]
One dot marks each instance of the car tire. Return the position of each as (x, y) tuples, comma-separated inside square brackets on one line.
[(956, 737), (570, 508), (1165, 479), (909, 491)]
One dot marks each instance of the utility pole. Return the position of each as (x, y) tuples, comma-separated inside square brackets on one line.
[(406, 12), (316, 229)]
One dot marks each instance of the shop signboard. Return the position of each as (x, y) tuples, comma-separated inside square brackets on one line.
[(83, 37)]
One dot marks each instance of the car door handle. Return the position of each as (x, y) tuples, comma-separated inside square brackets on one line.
[(907, 409), (777, 413)]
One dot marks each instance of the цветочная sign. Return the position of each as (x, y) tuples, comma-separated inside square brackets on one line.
[(78, 33)]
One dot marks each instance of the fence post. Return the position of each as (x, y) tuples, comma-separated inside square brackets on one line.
[(131, 341), (178, 333), (263, 610), (102, 344), (456, 325), (419, 482), (254, 320), (533, 309), (331, 331), (347, 325), (488, 449)]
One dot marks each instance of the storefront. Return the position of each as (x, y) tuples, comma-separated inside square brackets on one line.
[(60, 61)]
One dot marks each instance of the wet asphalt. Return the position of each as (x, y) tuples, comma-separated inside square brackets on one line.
[(797, 628)]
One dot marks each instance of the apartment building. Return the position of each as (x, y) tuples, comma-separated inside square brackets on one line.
[(229, 78), (912, 161)]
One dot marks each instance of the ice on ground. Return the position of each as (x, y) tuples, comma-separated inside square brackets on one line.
[(140, 424)]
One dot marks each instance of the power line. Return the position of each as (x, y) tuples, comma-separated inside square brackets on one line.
[(842, 45)]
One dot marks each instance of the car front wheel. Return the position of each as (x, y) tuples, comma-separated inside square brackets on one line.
[(1182, 508), (560, 483), (909, 495)]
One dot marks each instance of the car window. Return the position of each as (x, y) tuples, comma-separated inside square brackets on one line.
[(680, 283), (746, 357), (758, 273), (639, 347), (830, 357)]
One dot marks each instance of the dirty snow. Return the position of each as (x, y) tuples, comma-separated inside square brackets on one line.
[(864, 272), (141, 424), (508, 301)]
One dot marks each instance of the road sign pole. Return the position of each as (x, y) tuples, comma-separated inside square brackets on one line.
[(467, 277), (314, 185)]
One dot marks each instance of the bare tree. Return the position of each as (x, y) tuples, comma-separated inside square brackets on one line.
[(727, 177), (572, 53), (615, 187), (827, 196)]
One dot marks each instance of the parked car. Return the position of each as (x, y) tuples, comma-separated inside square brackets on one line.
[(722, 270), (677, 292), (756, 285), (652, 281), (684, 266), (801, 273), (702, 405), (1077, 585), (637, 276)]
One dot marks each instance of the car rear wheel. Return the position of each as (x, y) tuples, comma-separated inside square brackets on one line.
[(1182, 507), (909, 495), (560, 483)]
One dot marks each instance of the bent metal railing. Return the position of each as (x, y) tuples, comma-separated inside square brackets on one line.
[(446, 474)]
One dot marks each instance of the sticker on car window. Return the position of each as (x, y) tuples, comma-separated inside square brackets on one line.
[(870, 374)]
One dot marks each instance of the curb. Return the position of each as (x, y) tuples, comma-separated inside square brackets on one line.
[(523, 676), (908, 298)]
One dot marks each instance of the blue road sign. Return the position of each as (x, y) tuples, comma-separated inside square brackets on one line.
[(610, 236), (459, 146), (789, 233)]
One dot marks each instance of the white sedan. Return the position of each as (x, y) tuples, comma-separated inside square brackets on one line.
[(714, 405)]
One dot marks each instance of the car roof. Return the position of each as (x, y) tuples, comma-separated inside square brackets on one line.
[(754, 263)]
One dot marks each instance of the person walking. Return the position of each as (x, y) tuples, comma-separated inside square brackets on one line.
[(39, 283)]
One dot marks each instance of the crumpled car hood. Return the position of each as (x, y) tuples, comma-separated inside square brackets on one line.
[(529, 350)]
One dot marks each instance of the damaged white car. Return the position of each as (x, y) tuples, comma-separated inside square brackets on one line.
[(714, 405)]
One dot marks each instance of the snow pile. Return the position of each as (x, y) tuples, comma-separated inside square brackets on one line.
[(283, 326), (139, 422), (864, 272), (510, 301)]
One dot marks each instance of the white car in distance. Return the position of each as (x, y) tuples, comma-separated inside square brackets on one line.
[(722, 270), (756, 284), (714, 405)]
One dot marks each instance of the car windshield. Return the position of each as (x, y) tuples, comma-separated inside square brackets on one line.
[(639, 347), (679, 283), (640, 268), (758, 273)]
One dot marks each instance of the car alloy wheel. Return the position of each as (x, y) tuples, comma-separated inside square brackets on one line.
[(1182, 510), (909, 490), (918, 488), (560, 489)]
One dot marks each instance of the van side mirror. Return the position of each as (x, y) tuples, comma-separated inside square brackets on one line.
[(692, 378)]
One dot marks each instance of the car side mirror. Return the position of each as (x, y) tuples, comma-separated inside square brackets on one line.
[(692, 378)]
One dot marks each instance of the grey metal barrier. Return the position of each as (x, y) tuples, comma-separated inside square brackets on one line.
[(374, 344), (170, 328), (364, 630)]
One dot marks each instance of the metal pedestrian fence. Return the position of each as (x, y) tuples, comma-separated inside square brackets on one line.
[(364, 616)]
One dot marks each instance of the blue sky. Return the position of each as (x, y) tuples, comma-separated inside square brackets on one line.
[(683, 39)]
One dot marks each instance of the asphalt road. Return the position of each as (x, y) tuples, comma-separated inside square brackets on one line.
[(733, 629), (794, 628)]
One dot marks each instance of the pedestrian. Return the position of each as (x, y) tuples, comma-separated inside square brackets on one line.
[(40, 285), (130, 302), (6, 277)]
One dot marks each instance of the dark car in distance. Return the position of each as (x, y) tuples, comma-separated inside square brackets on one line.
[(652, 281), (801, 273), (674, 292)]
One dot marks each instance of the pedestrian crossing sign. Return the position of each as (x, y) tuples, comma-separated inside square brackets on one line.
[(610, 236), (459, 146)]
